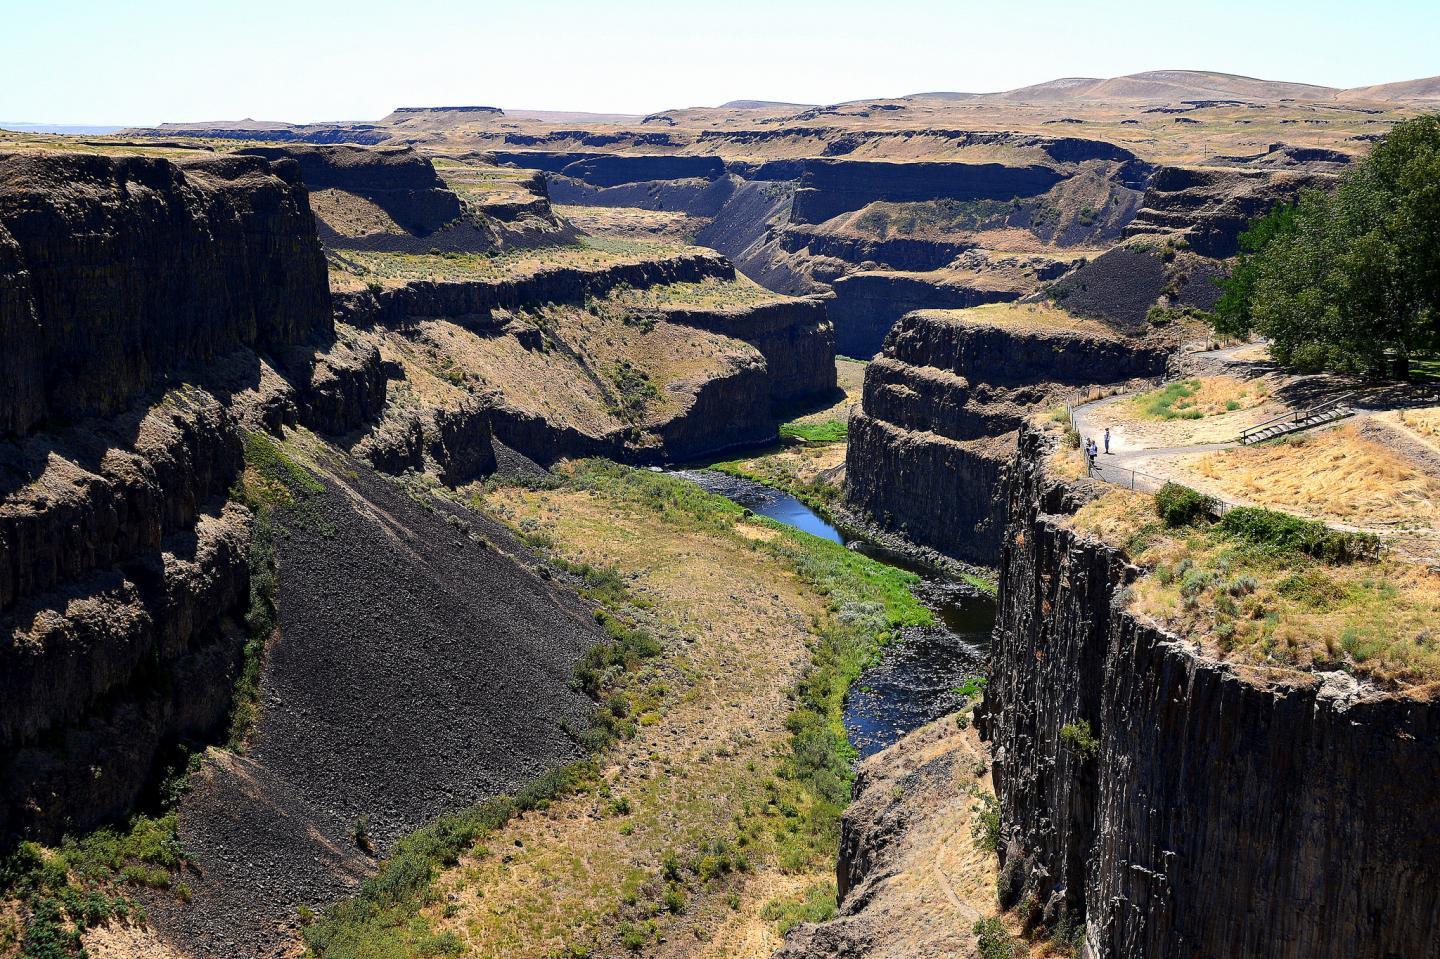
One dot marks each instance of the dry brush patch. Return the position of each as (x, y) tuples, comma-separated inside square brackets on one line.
[(1264, 602), (1337, 475)]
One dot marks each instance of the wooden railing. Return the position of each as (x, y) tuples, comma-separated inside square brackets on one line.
[(1332, 409)]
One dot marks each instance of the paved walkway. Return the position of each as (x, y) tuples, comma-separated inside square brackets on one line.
[(1148, 468)]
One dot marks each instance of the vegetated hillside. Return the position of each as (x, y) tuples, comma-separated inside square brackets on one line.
[(177, 466)]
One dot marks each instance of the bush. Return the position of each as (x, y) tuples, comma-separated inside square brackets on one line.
[(1080, 739), (985, 830), (1180, 505), (993, 939), (1284, 533)]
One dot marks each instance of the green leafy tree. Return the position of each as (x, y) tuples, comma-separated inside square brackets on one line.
[(1347, 278)]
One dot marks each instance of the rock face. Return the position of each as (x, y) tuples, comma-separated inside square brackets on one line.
[(910, 880), (795, 337), (613, 169), (868, 304), (1123, 283), (1228, 811), (755, 356), (829, 188), (123, 570), (930, 446), (1210, 208), (117, 269), (399, 181)]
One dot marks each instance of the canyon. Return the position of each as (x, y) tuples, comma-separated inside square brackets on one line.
[(338, 484)]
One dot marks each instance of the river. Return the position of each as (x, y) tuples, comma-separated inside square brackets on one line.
[(916, 678)]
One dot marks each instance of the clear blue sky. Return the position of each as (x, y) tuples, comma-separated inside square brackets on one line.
[(133, 61)]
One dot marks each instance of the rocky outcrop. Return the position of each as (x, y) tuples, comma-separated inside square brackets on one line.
[(910, 881), (930, 446), (465, 298), (123, 571), (1209, 208), (770, 352), (615, 169), (867, 304), (794, 336), (119, 269), (1121, 285), (398, 180), (829, 188), (896, 252), (1227, 810)]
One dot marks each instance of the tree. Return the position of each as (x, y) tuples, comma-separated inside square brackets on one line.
[(1349, 278)]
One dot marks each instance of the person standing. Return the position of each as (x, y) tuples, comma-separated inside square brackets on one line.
[(1107, 441)]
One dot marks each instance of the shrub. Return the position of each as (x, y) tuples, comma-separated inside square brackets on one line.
[(816, 905), (985, 829), (1284, 533), (993, 939), (1080, 739), (1180, 505)]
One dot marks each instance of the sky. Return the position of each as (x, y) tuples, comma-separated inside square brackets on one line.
[(137, 62)]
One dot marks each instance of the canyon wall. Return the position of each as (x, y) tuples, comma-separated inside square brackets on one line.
[(397, 180), (829, 188), (1228, 811), (931, 444), (122, 268), (123, 568), (723, 393), (1209, 208)]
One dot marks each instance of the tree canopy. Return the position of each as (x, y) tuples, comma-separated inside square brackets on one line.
[(1343, 279)]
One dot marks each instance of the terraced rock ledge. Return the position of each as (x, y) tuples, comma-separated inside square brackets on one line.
[(931, 446)]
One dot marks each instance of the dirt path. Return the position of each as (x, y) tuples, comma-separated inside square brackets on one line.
[(591, 869)]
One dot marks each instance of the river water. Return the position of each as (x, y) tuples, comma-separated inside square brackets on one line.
[(916, 678)]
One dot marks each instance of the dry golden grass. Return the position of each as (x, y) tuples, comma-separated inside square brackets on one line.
[(710, 729), (571, 381), (1336, 475), (1201, 397), (632, 222), (1255, 606), (351, 215), (710, 293), (1039, 317), (1425, 422)]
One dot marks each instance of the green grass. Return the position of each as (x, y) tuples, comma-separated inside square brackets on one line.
[(1425, 369), (83, 883), (816, 904), (830, 431), (868, 601), (1169, 402)]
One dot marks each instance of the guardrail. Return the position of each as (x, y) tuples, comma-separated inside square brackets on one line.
[(1146, 483), (1290, 422)]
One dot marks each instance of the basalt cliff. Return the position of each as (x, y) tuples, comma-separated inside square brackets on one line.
[(1225, 810)]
